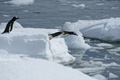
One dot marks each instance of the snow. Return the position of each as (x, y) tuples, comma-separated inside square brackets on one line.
[(20, 2), (34, 42), (24, 68), (106, 29), (28, 54)]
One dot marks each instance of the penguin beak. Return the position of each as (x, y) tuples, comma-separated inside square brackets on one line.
[(50, 38), (17, 18), (76, 35)]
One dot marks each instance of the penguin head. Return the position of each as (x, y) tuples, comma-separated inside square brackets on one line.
[(15, 18)]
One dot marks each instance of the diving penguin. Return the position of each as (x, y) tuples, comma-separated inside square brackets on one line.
[(61, 34)]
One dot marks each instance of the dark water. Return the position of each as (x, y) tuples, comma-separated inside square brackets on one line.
[(99, 57), (54, 13)]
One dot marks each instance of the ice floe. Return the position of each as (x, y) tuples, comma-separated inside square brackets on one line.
[(20, 2), (82, 6), (106, 29)]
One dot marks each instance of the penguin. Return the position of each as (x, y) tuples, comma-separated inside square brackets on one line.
[(61, 34), (9, 25)]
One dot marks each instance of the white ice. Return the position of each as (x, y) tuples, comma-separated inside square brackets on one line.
[(105, 45), (99, 77), (28, 54), (111, 76), (18, 67), (35, 42), (82, 6), (20, 2), (106, 29)]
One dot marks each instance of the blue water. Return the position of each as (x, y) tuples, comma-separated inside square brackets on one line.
[(54, 13)]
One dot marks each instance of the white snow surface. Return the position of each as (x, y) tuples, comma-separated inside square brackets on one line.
[(28, 54), (106, 29), (35, 42), (19, 67), (20, 2)]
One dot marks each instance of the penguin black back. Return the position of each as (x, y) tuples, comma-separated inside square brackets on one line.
[(55, 34), (9, 25), (61, 34)]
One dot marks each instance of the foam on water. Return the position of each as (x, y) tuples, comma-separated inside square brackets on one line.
[(82, 6)]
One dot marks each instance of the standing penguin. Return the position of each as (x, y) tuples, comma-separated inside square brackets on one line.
[(9, 25)]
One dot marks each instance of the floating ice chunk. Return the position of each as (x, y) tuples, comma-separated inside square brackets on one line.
[(82, 6), (99, 77), (110, 64), (111, 75), (6, 15), (105, 45), (97, 48), (92, 70), (114, 8), (20, 2), (106, 29), (99, 4), (114, 50), (114, 53)]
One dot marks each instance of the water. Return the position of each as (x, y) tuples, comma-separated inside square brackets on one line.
[(99, 57), (54, 13)]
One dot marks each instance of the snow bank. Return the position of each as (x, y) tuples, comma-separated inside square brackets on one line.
[(106, 29), (20, 2), (35, 43), (14, 67), (74, 42)]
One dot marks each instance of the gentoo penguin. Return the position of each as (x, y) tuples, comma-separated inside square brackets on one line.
[(61, 34), (9, 25)]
